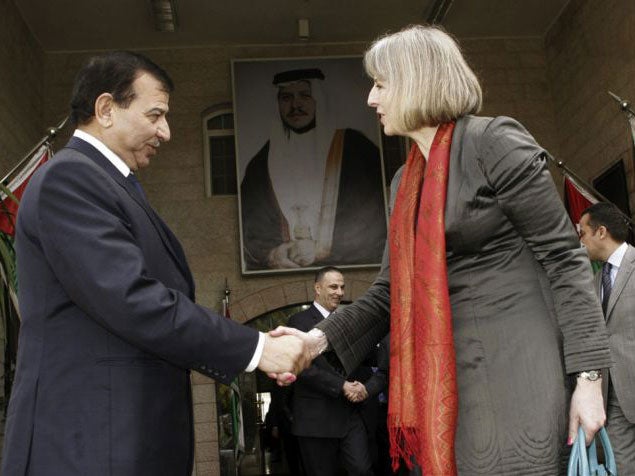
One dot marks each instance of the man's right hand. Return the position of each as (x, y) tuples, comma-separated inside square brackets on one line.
[(313, 344), (284, 355)]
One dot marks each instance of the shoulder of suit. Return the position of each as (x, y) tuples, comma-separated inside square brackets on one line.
[(630, 253), (77, 174), (303, 314), (470, 124), (487, 127), (68, 161)]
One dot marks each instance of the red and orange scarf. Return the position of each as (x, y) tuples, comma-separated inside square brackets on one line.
[(423, 406)]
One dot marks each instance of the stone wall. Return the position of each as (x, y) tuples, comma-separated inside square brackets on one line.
[(590, 50), (21, 87)]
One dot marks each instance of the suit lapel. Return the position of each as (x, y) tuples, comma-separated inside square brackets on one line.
[(627, 266), (169, 240), (466, 140), (316, 314)]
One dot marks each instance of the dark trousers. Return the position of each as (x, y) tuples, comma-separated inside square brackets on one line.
[(383, 466), (622, 435), (292, 453), (383, 462), (322, 456)]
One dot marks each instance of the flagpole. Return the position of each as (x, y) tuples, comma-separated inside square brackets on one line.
[(624, 105), (586, 186), (51, 133), (227, 293)]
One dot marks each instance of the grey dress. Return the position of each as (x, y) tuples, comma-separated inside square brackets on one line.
[(524, 311)]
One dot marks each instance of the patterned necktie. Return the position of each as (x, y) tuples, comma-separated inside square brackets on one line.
[(135, 183), (606, 285)]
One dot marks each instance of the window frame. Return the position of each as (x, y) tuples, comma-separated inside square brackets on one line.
[(207, 115)]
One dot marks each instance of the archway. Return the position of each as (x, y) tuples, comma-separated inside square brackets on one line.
[(264, 310)]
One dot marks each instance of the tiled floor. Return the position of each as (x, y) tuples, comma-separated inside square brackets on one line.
[(254, 466)]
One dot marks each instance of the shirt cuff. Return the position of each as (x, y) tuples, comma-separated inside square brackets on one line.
[(253, 363)]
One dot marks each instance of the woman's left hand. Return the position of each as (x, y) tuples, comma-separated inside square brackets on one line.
[(587, 409)]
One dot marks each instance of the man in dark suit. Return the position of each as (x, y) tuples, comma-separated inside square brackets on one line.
[(603, 231), (333, 415), (109, 324)]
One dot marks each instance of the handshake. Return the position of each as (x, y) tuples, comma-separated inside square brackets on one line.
[(355, 391), (289, 351)]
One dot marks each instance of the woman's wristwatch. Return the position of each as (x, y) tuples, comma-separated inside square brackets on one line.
[(590, 375)]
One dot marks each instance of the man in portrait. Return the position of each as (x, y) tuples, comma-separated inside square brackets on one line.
[(313, 194)]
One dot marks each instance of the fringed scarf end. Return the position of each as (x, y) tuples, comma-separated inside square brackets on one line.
[(404, 445)]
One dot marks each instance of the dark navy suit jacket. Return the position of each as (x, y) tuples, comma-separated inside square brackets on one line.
[(109, 330)]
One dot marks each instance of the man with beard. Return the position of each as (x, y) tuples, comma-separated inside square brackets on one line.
[(313, 195)]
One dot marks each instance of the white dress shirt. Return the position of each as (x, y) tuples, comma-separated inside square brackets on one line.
[(325, 312)]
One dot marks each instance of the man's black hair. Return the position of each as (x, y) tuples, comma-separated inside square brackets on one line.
[(322, 271), (608, 215), (111, 73)]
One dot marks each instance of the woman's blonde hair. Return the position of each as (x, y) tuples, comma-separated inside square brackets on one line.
[(430, 81)]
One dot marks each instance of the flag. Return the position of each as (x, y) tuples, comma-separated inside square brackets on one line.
[(576, 199), (10, 196), (226, 312), (237, 419), (238, 427)]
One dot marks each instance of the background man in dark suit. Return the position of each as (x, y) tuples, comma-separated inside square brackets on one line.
[(109, 324), (603, 231), (333, 415)]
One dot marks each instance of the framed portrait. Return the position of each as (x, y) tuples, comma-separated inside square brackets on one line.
[(311, 185)]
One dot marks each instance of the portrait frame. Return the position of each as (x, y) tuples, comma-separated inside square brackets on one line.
[(257, 114)]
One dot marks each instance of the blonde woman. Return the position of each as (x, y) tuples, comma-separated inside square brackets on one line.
[(484, 286)]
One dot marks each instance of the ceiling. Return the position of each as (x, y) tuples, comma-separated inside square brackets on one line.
[(76, 25)]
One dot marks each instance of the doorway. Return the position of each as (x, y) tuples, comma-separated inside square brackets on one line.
[(248, 444)]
